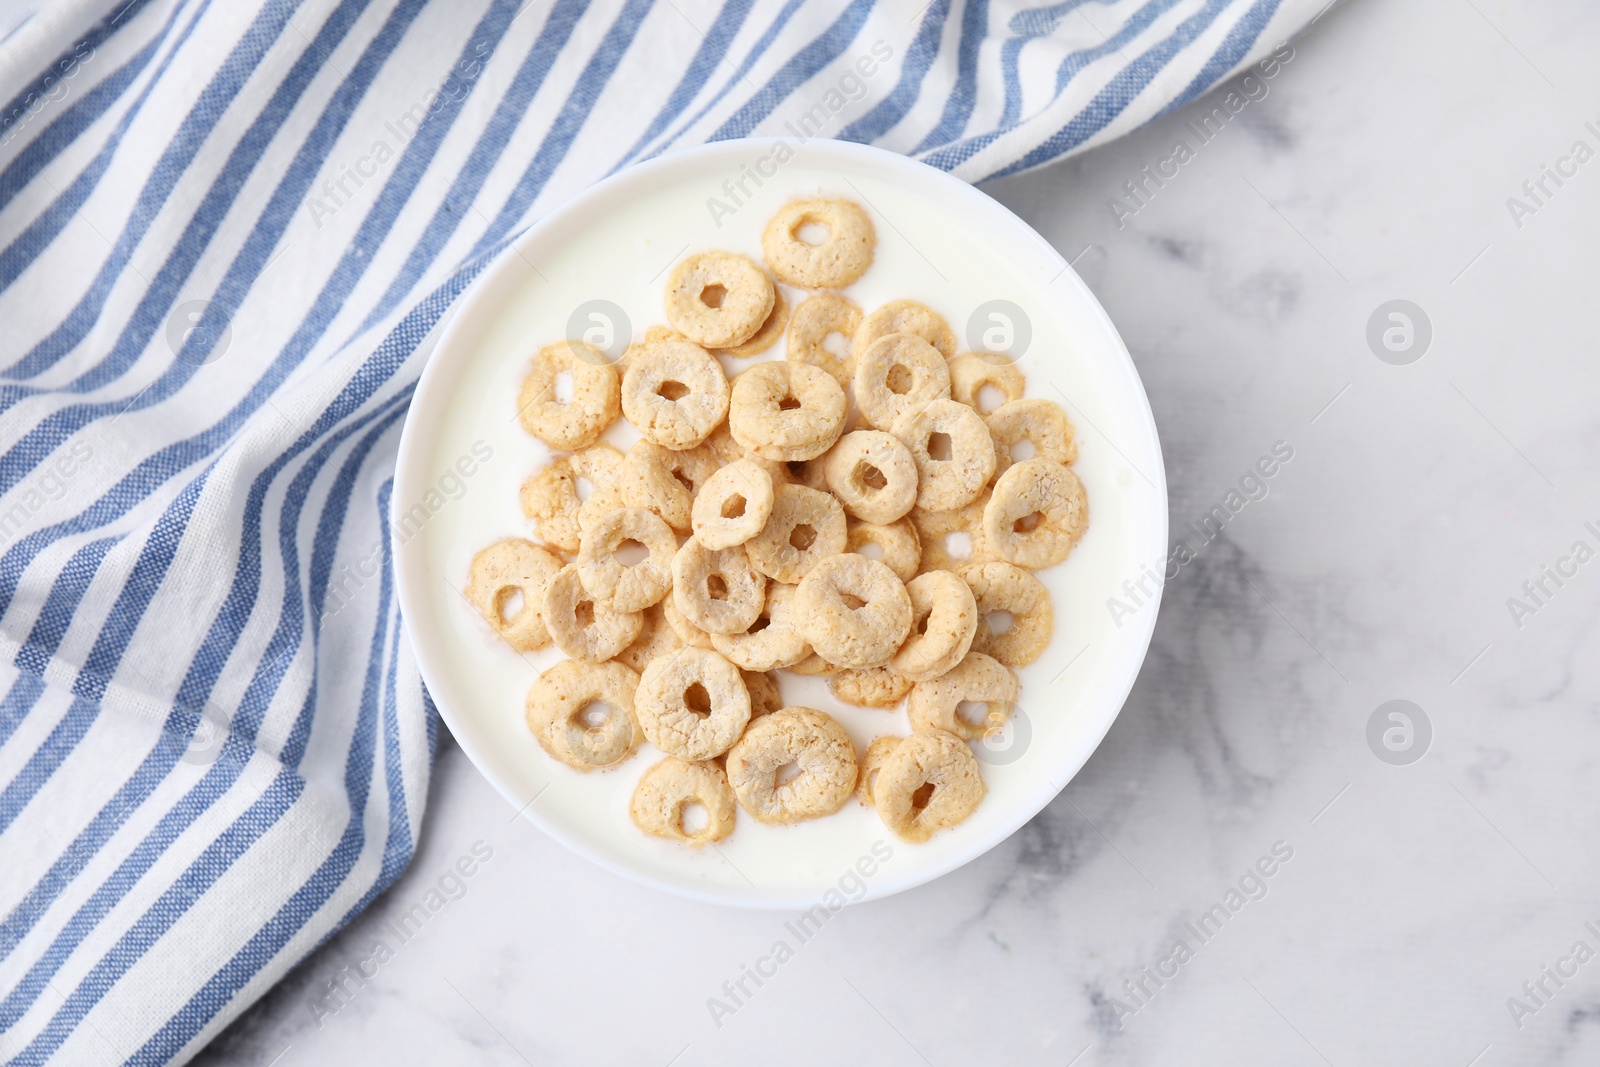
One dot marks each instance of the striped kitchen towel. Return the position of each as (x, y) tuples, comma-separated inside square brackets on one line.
[(228, 232)]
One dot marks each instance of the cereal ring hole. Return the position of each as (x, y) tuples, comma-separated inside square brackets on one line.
[(899, 379), (989, 397), (939, 446), (508, 604), (796, 468), (684, 480), (733, 507), (631, 553), (810, 231), (999, 621), (786, 774), (872, 550), (584, 487), (958, 545), (761, 623), (919, 625), (593, 716), (837, 344), (716, 587), (672, 390), (853, 602), (1023, 449), (788, 403), (693, 817), (866, 476), (803, 536), (974, 713), (584, 613), (697, 700), (1028, 523), (923, 796), (712, 296), (563, 387)]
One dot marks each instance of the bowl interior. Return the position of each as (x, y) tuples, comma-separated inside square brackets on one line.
[(596, 267)]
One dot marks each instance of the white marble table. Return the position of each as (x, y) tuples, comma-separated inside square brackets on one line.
[(1420, 497)]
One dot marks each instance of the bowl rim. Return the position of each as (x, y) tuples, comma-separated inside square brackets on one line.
[(416, 438)]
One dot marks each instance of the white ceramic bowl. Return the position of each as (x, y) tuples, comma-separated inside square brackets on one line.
[(463, 457)]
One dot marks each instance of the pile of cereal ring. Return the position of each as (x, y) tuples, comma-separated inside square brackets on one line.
[(869, 509)]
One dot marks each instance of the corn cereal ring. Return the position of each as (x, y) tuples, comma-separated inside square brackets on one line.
[(1041, 423), (504, 571), (550, 497), (814, 324), (575, 423), (582, 713), (837, 261), (927, 783), (873, 474), (973, 372), (953, 452), (733, 505), (765, 696), (665, 481), (786, 411), (897, 374), (853, 610), (656, 638), (951, 539), (869, 687), (674, 393), (623, 586), (944, 619), (718, 299), (905, 316), (871, 763), (685, 631), (1000, 587), (765, 337), (977, 679), (805, 526), (810, 740), (1036, 514), (773, 640), (669, 792), (692, 704), (896, 546), (582, 628), (716, 589)]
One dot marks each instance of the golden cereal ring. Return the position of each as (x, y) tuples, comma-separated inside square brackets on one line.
[(873, 474), (805, 526), (617, 585), (999, 586), (685, 631), (674, 393), (814, 666), (927, 783), (568, 424), (815, 743), (716, 589), (765, 696), (971, 372), (733, 505), (692, 704), (944, 620), (773, 640), (767, 335), (563, 715), (1036, 514), (551, 501), (869, 687), (718, 299), (1041, 423), (899, 373), (501, 571), (582, 628), (842, 257), (952, 450), (656, 638), (952, 539), (661, 801), (977, 679), (665, 481), (896, 545), (786, 411), (853, 610), (905, 316), (817, 319), (871, 763)]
